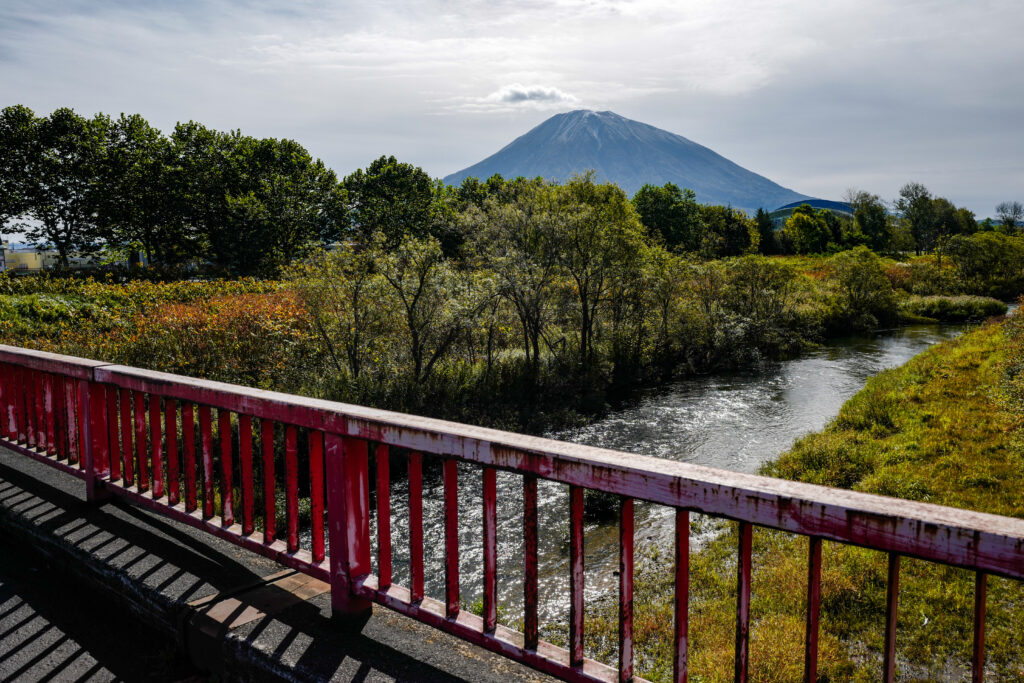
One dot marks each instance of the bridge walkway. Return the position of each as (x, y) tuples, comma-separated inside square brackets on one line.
[(235, 613)]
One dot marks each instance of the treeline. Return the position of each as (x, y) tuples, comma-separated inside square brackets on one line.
[(914, 222), (249, 206), (243, 204)]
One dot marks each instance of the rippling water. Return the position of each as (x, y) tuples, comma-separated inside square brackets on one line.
[(733, 421)]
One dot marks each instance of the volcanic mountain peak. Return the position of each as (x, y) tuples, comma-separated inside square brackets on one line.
[(628, 153)]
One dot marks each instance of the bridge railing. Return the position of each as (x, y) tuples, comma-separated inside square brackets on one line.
[(289, 477)]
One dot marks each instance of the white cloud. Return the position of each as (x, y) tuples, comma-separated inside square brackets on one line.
[(530, 94)]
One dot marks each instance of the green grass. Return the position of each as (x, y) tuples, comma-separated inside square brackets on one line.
[(937, 308), (935, 429)]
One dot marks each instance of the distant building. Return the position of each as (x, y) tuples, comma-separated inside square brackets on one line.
[(840, 209), (32, 260)]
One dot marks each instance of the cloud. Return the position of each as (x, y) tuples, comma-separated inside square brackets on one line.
[(523, 94), (815, 95)]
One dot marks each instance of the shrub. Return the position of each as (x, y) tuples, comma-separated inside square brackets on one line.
[(951, 308)]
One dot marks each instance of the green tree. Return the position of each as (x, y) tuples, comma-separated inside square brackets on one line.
[(806, 231), (670, 213), (1010, 214), (144, 204), (759, 290), (768, 244), (518, 240), (988, 262), (285, 201), (727, 232), (19, 131), (870, 218), (62, 191), (348, 304), (391, 198), (915, 208), (436, 302), (600, 234), (865, 293)]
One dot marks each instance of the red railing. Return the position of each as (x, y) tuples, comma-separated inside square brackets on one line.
[(151, 437)]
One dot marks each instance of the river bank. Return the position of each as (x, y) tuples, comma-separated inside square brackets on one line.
[(935, 429)]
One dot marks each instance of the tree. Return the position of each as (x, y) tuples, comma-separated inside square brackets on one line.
[(599, 233), (18, 143), (865, 293), (766, 230), (255, 204), (143, 204), (870, 217), (915, 208), (727, 232), (1010, 214), (807, 231), (62, 191), (518, 241), (347, 302), (285, 201), (436, 302), (390, 198), (671, 214)]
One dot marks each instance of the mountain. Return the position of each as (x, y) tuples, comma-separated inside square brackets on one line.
[(628, 153)]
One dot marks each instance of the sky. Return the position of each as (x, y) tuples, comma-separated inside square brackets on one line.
[(818, 95)]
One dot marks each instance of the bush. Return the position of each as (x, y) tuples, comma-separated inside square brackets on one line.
[(866, 296), (951, 308), (989, 263)]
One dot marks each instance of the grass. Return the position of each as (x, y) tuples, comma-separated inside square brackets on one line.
[(938, 308), (935, 429)]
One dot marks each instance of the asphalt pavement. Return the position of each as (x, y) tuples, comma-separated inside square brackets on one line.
[(53, 630)]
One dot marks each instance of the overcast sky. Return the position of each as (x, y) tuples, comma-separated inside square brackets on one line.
[(818, 95)]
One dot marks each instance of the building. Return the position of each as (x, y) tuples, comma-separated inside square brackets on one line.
[(32, 260)]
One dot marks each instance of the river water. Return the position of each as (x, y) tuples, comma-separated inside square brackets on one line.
[(734, 421)]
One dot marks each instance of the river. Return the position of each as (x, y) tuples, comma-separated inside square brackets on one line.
[(734, 421)]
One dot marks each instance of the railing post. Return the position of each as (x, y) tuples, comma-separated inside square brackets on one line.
[(92, 415), (348, 520)]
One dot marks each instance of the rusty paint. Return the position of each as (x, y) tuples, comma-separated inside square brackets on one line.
[(383, 458), (416, 526), (626, 589), (206, 436), (316, 493), (576, 578), (227, 489), (48, 409), (490, 523), (245, 463), (349, 501), (530, 561), (113, 436), (978, 653), (451, 537), (138, 400), (892, 599), (156, 445), (171, 437), (743, 602), (269, 482), (127, 460), (682, 596), (291, 486), (813, 610), (188, 438)]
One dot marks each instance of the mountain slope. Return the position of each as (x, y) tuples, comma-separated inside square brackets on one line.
[(628, 153)]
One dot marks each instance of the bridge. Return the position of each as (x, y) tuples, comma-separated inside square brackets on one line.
[(288, 479)]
